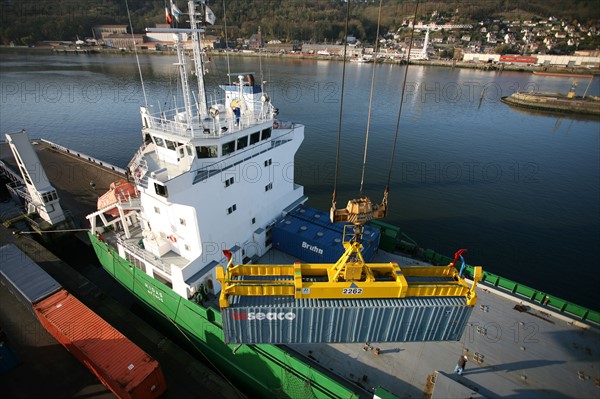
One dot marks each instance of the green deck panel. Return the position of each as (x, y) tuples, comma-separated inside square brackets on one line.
[(532, 294)]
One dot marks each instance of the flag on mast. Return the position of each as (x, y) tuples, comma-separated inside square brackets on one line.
[(210, 16), (168, 15), (175, 10)]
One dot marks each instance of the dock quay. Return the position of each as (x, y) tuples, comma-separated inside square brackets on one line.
[(42, 359)]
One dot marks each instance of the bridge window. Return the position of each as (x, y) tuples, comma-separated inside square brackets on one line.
[(228, 148), (207, 151), (266, 133), (242, 142), (160, 189), (254, 138), (171, 145), (159, 141)]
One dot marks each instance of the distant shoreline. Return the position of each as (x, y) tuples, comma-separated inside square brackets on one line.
[(484, 66)]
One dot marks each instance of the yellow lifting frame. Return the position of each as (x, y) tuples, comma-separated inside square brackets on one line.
[(349, 278)]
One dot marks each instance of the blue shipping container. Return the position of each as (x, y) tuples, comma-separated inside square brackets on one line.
[(309, 235)]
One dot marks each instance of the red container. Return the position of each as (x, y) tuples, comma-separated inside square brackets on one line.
[(518, 58), (122, 366)]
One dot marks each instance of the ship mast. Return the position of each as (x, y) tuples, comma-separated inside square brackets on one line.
[(195, 32), (198, 60), (185, 85)]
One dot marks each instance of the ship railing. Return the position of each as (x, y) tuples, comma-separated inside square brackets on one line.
[(140, 170), (219, 127), (139, 154), (142, 254), (170, 126), (173, 121)]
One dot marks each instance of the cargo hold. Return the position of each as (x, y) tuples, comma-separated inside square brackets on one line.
[(127, 370)]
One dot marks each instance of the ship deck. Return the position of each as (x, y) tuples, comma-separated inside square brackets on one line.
[(529, 354), (524, 354)]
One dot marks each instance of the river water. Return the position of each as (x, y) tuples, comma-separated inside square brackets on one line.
[(520, 190)]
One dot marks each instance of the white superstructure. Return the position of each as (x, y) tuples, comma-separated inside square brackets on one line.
[(211, 175)]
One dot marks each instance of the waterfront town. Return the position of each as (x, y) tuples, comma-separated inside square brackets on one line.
[(548, 42)]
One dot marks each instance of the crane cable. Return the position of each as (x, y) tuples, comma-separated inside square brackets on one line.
[(364, 165), (337, 157), (339, 138), (412, 35)]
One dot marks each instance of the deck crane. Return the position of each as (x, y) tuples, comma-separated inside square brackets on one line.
[(350, 276), (346, 301), (410, 298)]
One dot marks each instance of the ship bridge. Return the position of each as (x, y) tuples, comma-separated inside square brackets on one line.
[(242, 105)]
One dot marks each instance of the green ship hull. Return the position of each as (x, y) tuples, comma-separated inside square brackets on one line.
[(264, 370)]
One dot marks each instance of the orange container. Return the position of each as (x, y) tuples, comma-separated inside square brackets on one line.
[(122, 366)]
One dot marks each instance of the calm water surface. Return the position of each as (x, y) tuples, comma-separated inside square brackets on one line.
[(520, 190)]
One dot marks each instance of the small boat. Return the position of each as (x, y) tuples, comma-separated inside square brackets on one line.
[(362, 60)]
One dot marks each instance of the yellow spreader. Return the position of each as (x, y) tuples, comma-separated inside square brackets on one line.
[(349, 278)]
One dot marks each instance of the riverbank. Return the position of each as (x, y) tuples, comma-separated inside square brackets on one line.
[(484, 66)]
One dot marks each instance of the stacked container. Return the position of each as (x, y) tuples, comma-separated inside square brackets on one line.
[(308, 234), (128, 371)]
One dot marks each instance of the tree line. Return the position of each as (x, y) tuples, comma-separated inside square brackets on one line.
[(26, 22)]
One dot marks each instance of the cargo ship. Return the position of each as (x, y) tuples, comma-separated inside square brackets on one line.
[(213, 175)]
